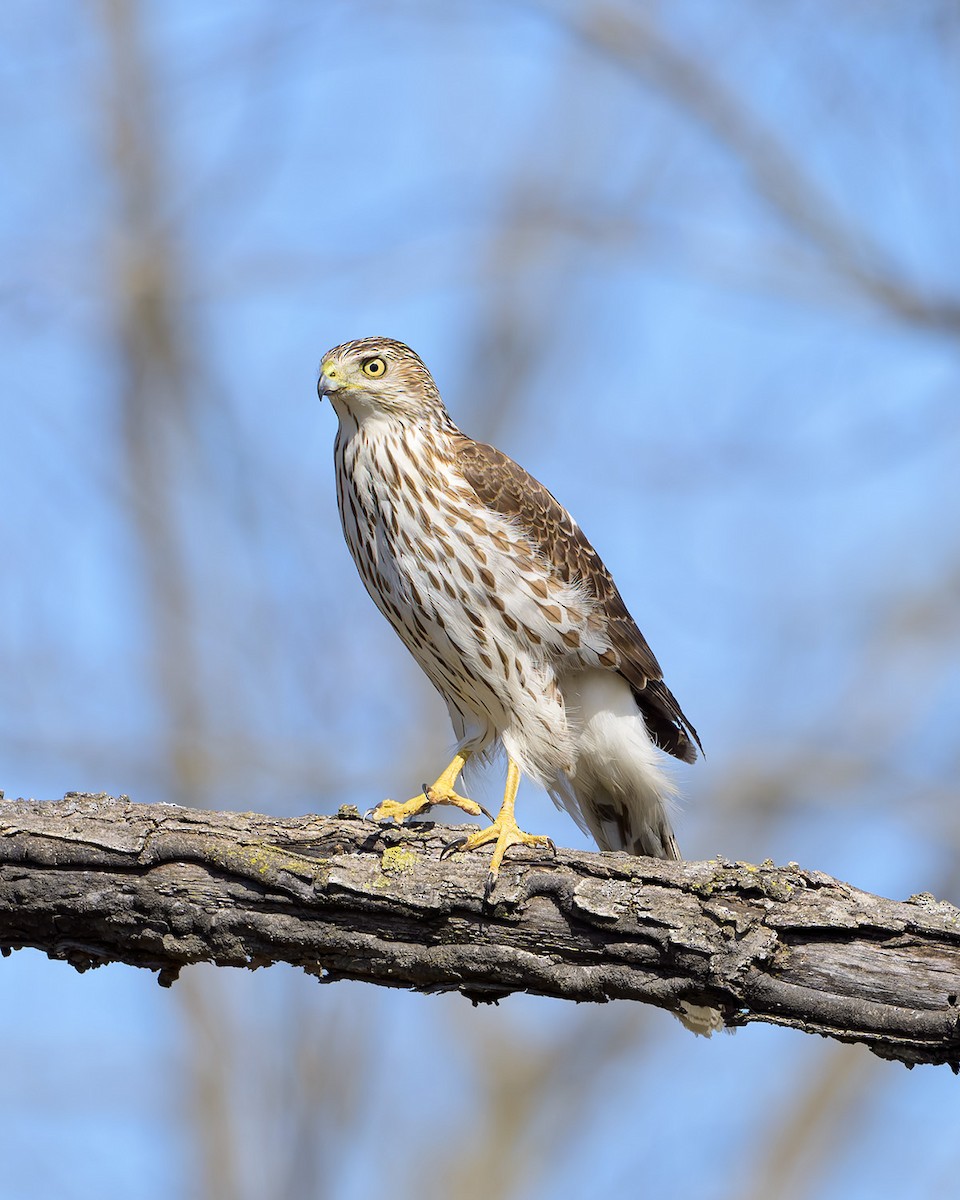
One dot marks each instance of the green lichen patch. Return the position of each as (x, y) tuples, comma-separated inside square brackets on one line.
[(398, 858)]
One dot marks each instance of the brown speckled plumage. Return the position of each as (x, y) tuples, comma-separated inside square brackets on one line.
[(509, 611), (503, 601), (504, 486)]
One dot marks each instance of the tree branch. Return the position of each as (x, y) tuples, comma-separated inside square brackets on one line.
[(91, 879), (632, 42)]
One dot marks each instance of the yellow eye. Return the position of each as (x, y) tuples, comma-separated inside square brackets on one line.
[(373, 368)]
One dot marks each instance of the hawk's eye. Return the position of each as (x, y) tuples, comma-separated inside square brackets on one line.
[(373, 368)]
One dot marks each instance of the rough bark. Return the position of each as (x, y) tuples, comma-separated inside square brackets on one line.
[(92, 879)]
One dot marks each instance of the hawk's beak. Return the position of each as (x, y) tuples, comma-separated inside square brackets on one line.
[(329, 379)]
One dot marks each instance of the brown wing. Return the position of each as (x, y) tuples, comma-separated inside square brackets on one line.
[(504, 486)]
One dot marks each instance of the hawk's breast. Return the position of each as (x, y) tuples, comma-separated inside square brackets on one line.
[(466, 592)]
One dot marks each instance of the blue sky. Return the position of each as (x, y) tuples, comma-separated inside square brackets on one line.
[(738, 404)]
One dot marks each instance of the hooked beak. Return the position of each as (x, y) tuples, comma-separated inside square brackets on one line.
[(329, 379)]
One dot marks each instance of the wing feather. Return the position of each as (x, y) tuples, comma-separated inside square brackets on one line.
[(504, 486)]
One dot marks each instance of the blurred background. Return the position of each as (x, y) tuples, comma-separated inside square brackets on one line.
[(695, 266)]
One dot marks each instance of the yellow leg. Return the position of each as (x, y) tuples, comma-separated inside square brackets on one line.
[(441, 793), (504, 830)]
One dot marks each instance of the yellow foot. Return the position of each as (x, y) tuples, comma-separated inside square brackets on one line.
[(399, 811), (441, 793), (504, 831)]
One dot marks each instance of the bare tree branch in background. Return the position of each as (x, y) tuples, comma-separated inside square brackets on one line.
[(160, 402), (807, 1133), (776, 170), (167, 401), (90, 879)]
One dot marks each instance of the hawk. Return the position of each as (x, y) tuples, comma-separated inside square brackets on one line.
[(509, 611), (506, 607)]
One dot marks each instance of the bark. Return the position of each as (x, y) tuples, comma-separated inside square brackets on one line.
[(93, 879)]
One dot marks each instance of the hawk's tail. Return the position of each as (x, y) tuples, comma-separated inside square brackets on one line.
[(619, 791)]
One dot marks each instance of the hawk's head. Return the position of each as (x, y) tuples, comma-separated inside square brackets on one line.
[(378, 376)]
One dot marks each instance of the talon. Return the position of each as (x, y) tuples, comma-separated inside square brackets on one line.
[(440, 792), (490, 884), (452, 847), (388, 810), (503, 831)]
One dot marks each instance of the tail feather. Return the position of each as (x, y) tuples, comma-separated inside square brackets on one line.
[(619, 791), (617, 822)]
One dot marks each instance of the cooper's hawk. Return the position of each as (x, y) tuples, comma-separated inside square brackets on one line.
[(508, 609)]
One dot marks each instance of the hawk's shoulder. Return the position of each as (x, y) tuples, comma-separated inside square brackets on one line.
[(505, 487)]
